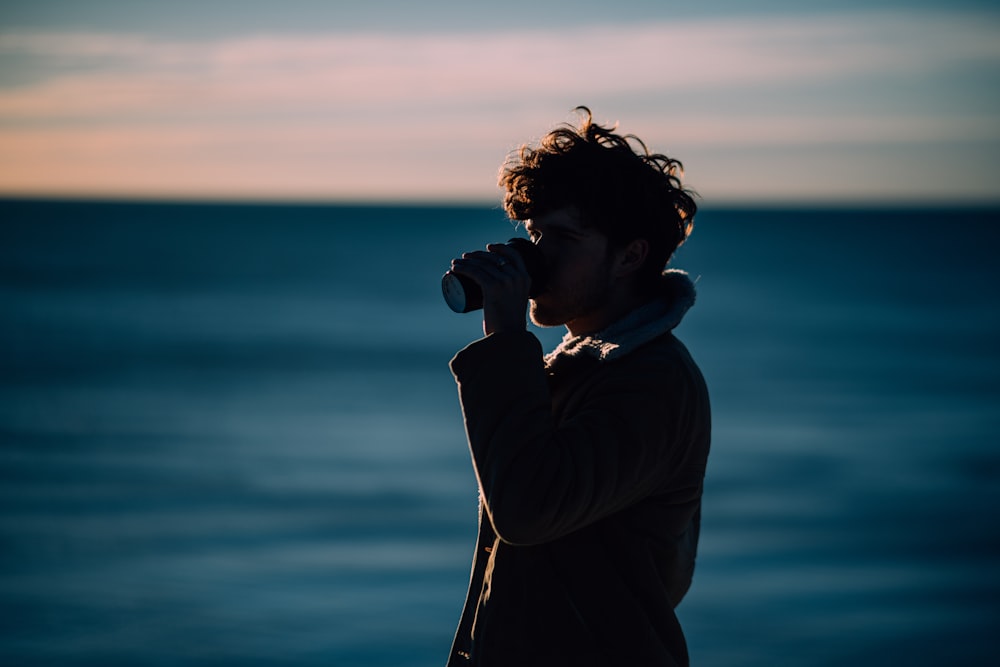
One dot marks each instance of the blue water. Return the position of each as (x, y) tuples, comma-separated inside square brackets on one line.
[(228, 435)]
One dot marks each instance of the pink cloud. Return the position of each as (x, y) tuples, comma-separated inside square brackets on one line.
[(313, 115)]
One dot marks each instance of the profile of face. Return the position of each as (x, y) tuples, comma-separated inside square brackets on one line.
[(580, 276)]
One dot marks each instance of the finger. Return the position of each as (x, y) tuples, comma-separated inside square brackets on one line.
[(481, 258), (481, 269), (509, 255), (498, 264)]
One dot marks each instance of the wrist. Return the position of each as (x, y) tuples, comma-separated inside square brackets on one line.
[(500, 322)]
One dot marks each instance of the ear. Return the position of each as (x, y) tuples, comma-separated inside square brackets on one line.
[(631, 257)]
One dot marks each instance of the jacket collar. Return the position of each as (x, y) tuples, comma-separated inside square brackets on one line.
[(662, 314)]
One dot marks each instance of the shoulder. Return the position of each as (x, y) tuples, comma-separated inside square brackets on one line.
[(663, 353), (663, 367)]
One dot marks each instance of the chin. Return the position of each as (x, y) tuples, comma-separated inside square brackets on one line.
[(545, 317)]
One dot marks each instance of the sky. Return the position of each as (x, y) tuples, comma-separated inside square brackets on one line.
[(770, 101)]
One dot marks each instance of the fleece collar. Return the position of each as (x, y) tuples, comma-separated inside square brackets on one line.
[(642, 325)]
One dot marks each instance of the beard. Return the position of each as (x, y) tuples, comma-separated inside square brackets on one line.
[(561, 304)]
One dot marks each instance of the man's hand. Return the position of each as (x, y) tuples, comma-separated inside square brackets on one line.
[(505, 282)]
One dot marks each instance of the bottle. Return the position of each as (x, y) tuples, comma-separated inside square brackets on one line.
[(463, 294)]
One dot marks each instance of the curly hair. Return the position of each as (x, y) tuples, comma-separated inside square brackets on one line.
[(624, 193)]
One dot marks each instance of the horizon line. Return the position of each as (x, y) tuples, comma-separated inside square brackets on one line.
[(861, 202)]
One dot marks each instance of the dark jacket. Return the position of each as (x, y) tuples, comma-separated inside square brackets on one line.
[(590, 465)]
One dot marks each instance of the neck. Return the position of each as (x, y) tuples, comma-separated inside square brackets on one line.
[(616, 308)]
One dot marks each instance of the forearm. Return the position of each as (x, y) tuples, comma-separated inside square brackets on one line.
[(541, 480)]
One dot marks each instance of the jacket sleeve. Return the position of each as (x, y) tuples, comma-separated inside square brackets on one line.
[(539, 481)]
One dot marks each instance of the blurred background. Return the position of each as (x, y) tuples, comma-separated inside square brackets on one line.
[(228, 434), (387, 100)]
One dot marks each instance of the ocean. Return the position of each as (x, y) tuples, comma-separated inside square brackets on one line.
[(229, 435)]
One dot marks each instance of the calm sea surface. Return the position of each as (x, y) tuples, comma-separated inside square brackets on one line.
[(229, 436)]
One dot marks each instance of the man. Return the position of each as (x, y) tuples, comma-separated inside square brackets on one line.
[(590, 460)]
